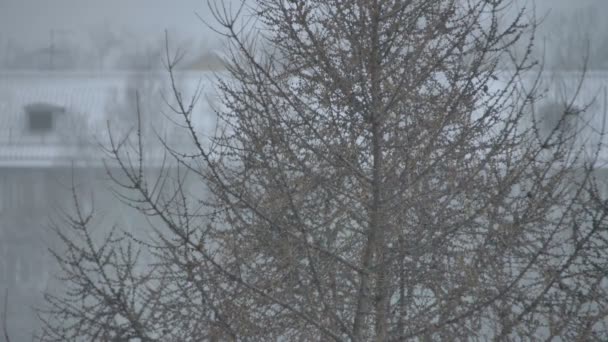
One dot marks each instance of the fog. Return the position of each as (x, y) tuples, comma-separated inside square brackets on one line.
[(69, 66), (86, 33), (79, 32), (30, 21)]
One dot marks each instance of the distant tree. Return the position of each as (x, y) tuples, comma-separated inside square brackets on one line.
[(105, 44), (572, 34), (106, 48), (376, 175)]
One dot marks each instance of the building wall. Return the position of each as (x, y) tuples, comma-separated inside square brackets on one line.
[(36, 173), (31, 199)]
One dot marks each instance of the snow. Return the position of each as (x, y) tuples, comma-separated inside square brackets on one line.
[(90, 100)]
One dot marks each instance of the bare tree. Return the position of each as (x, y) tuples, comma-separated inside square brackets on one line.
[(4, 318), (377, 173)]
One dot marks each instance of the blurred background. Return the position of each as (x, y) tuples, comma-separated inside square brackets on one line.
[(69, 69), (127, 34)]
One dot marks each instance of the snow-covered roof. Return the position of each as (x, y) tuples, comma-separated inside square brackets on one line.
[(82, 104), (87, 101)]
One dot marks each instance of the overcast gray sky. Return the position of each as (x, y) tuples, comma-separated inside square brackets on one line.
[(32, 20)]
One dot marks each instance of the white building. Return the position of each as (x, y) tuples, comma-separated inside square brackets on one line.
[(52, 127), (53, 123)]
